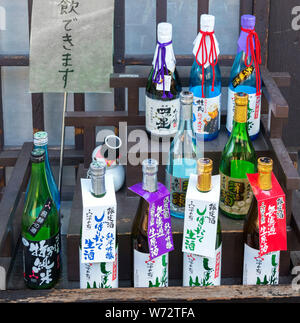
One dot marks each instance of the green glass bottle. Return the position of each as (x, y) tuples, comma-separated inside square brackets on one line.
[(238, 159), (40, 229)]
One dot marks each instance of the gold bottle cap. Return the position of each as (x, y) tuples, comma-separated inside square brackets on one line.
[(265, 168), (241, 107), (204, 169)]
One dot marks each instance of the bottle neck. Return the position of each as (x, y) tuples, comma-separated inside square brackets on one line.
[(204, 182), (185, 117), (265, 180), (98, 186), (150, 182)]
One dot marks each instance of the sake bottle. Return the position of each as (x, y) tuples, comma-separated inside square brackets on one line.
[(259, 270), (238, 159), (182, 157), (199, 270), (40, 229), (245, 76), (147, 272), (40, 140), (163, 87), (103, 274), (205, 81)]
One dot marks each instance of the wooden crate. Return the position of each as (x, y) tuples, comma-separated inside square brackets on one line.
[(130, 72)]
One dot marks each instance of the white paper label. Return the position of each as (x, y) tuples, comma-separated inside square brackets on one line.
[(150, 273), (260, 270), (98, 223), (162, 117), (201, 218), (254, 109), (160, 85), (99, 275), (202, 271), (206, 114)]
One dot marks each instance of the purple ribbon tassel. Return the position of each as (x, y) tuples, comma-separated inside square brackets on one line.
[(159, 71)]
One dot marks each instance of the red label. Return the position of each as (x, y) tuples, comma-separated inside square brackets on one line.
[(257, 105), (115, 268), (272, 215), (217, 268)]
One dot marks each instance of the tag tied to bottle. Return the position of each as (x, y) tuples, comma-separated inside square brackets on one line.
[(160, 239), (98, 237), (201, 218), (272, 215)]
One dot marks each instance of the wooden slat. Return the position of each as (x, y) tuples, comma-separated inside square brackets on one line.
[(276, 100), (161, 11), (261, 10), (202, 8), (79, 105), (185, 295), (119, 51)]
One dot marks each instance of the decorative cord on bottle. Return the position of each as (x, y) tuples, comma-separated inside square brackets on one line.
[(245, 76)]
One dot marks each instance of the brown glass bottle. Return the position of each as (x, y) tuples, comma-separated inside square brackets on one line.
[(259, 270), (142, 264)]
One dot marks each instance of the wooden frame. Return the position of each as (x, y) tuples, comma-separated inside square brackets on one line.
[(274, 117)]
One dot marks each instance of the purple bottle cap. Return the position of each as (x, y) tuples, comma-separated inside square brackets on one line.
[(247, 22)]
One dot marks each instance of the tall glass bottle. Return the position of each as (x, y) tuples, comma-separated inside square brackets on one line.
[(40, 140), (40, 229), (199, 270), (147, 272), (181, 158), (205, 81), (268, 265), (103, 274), (238, 159), (245, 76), (163, 87)]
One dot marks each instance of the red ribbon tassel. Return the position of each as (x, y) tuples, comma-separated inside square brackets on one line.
[(252, 39), (211, 57)]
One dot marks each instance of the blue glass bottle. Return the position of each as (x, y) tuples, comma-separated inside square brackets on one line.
[(40, 140), (244, 78), (182, 157), (205, 82)]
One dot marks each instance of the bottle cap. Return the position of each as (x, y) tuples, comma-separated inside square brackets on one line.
[(40, 138), (150, 166), (241, 107), (38, 155), (207, 22), (164, 32), (97, 174), (204, 165), (204, 168), (248, 21), (265, 167), (97, 168), (186, 97)]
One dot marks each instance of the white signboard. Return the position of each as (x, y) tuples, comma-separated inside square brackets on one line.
[(71, 46)]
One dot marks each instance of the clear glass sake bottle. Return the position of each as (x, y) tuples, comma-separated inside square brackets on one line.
[(182, 157), (268, 273), (245, 76), (205, 81), (40, 140), (163, 87), (199, 270), (238, 159), (147, 272), (40, 229), (103, 274)]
